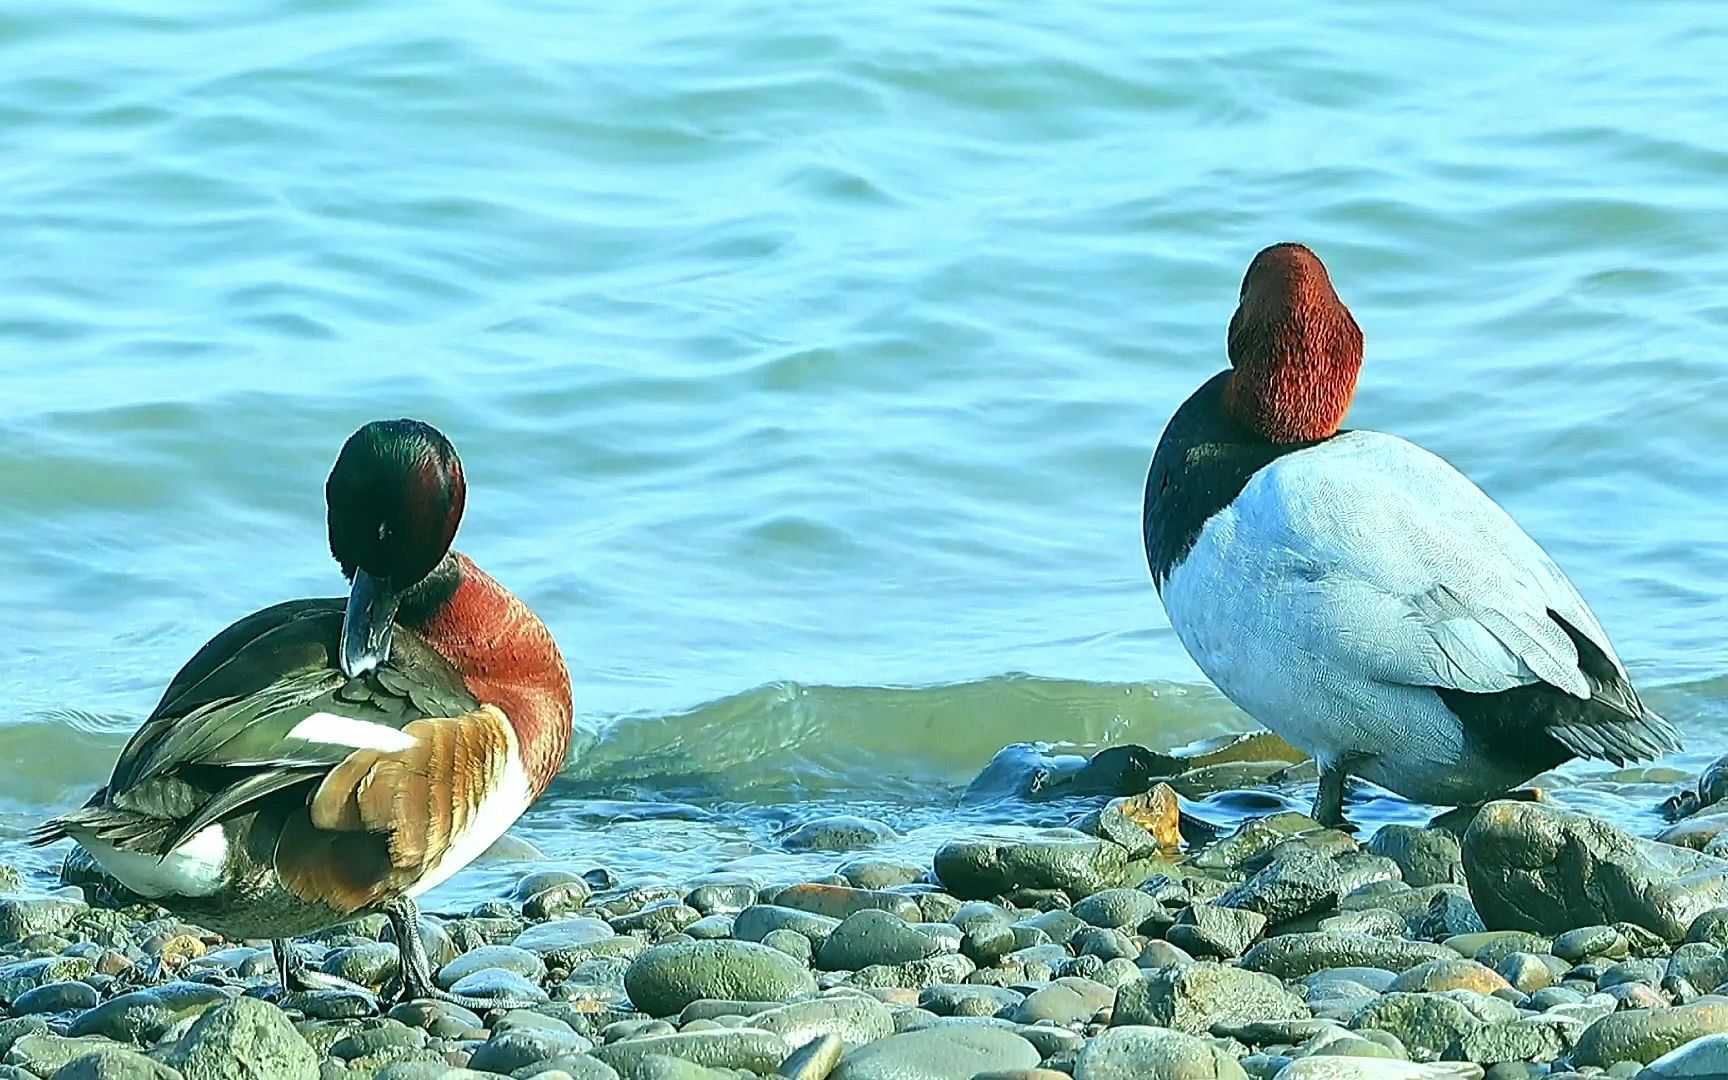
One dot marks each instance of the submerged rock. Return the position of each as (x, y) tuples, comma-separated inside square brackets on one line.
[(1532, 866), (840, 833)]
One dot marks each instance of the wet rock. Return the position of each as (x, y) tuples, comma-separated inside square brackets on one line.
[(668, 977), (26, 916), (1290, 886), (387, 1035), (738, 1048), (1535, 867), (1449, 915), (1192, 997), (1424, 856), (1427, 1024), (1700, 1059), (244, 1038), (1514, 1040), (55, 997), (795, 945), (722, 894), (1115, 908), (938, 1053), (1144, 825), (144, 1016), (1439, 975), (1525, 972), (838, 833), (947, 968), (757, 922), (1644, 1035), (1065, 1001), (44, 1055), (1253, 838), (875, 874), (508, 1051), (567, 942), (854, 1019), (873, 937), (1213, 931), (1079, 865), (1152, 1053), (814, 1060), (509, 958), (1292, 956), (116, 1063), (1376, 922), (20, 977), (968, 999), (1710, 927), (840, 901), (1345, 1068), (494, 984)]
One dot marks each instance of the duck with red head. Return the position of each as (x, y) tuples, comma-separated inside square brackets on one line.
[(1354, 592), (323, 759)]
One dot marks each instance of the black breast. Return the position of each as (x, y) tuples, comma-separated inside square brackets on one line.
[(1203, 462)]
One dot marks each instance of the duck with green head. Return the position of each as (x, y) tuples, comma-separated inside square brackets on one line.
[(323, 759)]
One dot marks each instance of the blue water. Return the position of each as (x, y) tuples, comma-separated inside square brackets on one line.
[(806, 357)]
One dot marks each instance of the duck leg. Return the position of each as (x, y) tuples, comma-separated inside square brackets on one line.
[(417, 982), (296, 976), (1329, 800)]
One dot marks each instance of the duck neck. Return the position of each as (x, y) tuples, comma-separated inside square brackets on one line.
[(505, 654)]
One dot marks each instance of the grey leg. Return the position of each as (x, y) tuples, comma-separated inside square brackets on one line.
[(1329, 800), (417, 984)]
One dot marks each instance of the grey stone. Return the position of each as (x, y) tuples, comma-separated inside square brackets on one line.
[(1586, 942), (1644, 1035), (723, 895), (1375, 922), (1436, 976), (814, 1060), (757, 921), (1427, 1024), (1063, 1002), (26, 916), (561, 944), (874, 873), (1348, 1068), (839, 901), (56, 997), (1298, 883), (1079, 865), (1516, 1040), (1532, 866), (853, 1018), (668, 977), (1292, 956), (1213, 931), (44, 1055), (509, 958), (144, 1016), (1710, 927), (1700, 1059), (1116, 908), (1096, 941), (1192, 997), (839, 833), (25, 975), (244, 1039), (947, 968), (116, 1063), (792, 943), (710, 928), (737, 1048), (387, 1035), (1424, 856), (499, 985), (968, 999), (507, 1051), (873, 937), (1152, 1053), (938, 1053), (1525, 972)]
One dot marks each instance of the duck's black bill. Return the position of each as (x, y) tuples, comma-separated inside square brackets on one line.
[(367, 623)]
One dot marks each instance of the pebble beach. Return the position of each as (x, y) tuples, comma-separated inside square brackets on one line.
[(1526, 940)]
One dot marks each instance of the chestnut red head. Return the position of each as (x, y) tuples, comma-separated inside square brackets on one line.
[(394, 500), (1294, 347)]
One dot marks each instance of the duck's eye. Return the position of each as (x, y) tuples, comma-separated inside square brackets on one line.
[(383, 531)]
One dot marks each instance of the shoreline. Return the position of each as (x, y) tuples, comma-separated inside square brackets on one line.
[(1525, 941)]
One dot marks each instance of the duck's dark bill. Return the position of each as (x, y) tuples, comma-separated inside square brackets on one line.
[(367, 623)]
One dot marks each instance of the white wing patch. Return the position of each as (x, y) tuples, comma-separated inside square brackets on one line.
[(196, 868), (335, 730)]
